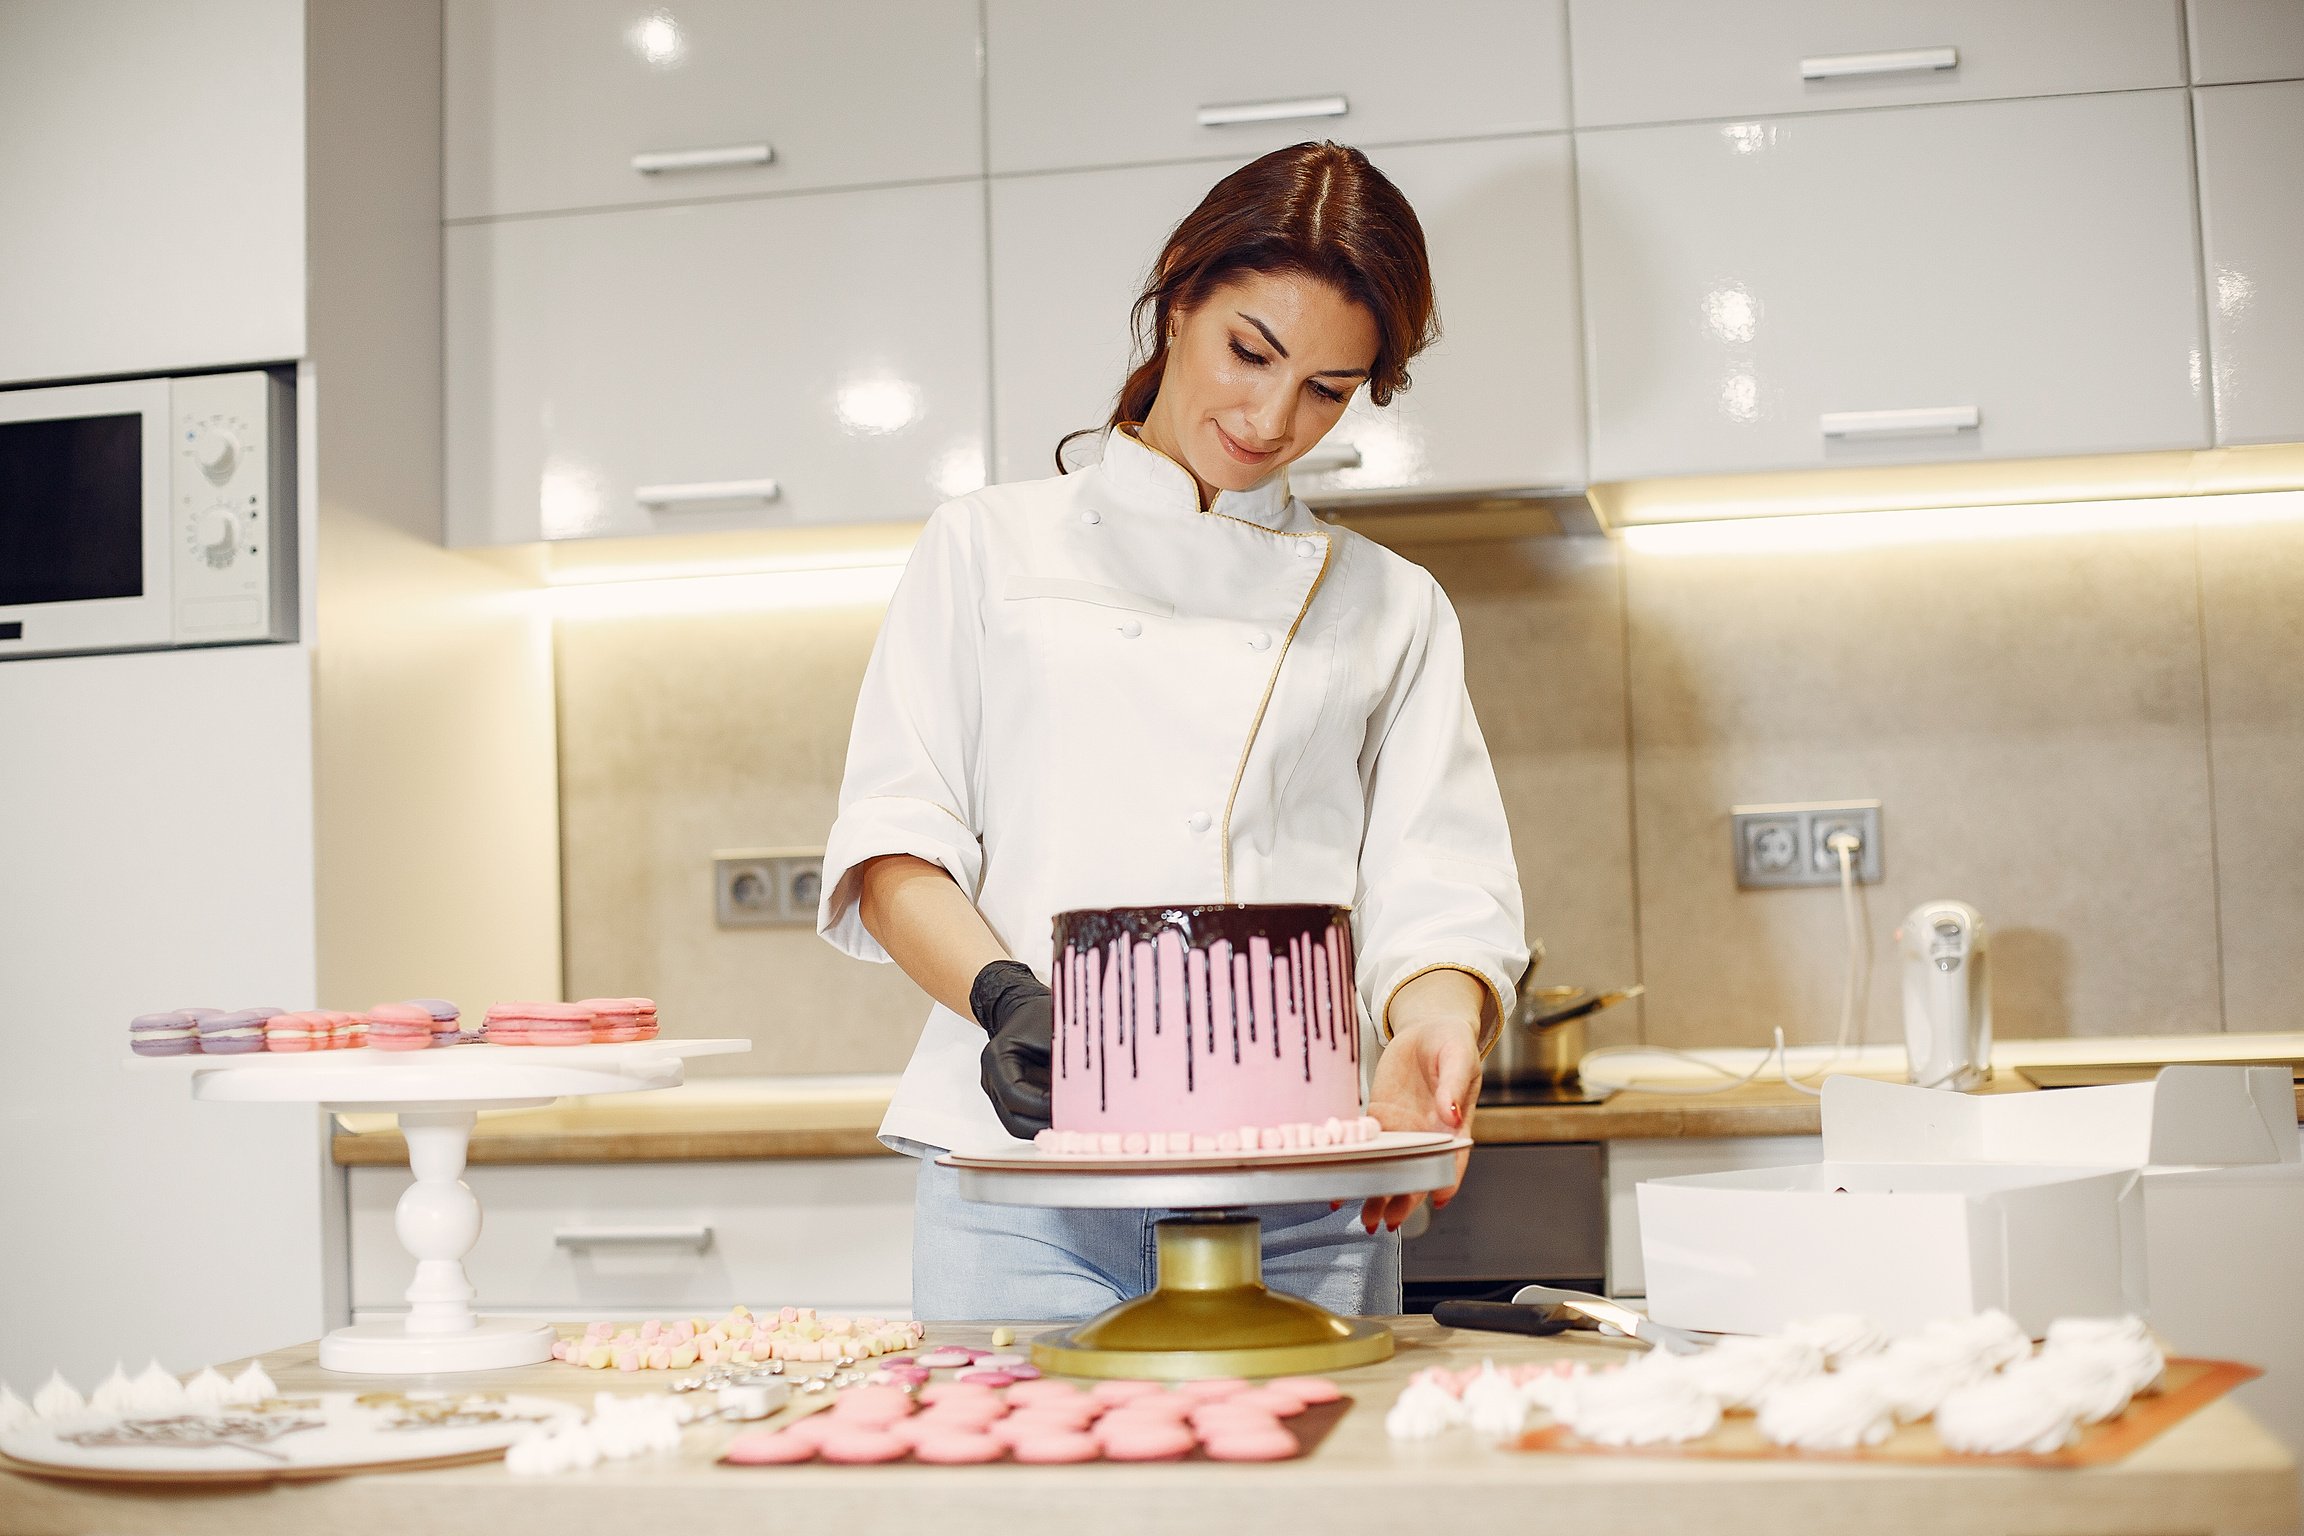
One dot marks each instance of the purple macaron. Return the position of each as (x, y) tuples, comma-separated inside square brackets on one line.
[(235, 1034), (174, 1033), (444, 1016)]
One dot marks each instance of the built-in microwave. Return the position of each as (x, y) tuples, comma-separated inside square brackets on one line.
[(147, 513)]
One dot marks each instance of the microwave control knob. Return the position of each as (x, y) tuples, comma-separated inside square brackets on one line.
[(216, 451), (218, 535)]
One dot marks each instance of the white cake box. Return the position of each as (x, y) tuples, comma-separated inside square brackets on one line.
[(1931, 1204)]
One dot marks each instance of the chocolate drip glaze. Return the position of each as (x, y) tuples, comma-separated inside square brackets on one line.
[(1111, 963)]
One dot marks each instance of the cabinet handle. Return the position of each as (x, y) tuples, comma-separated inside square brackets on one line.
[(1896, 61), (1273, 111), (649, 162), (705, 490), (1926, 421), (698, 1238), (1328, 457)]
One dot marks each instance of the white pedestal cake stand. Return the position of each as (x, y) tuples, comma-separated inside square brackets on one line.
[(1211, 1314), (437, 1094)]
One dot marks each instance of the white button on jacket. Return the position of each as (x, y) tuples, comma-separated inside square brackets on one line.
[(1009, 731)]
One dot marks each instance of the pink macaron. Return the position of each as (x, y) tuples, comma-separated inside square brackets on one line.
[(399, 1027), (539, 1024), (1250, 1445), (614, 1019), (769, 1447), (1057, 1446), (958, 1450)]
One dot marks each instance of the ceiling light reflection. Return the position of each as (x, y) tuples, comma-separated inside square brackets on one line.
[(876, 407), (659, 39)]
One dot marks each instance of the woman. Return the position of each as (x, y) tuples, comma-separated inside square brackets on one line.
[(1161, 680)]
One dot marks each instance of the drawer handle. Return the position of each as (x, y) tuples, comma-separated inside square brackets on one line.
[(1273, 111), (651, 162), (705, 490), (1896, 61), (698, 1238), (1926, 421), (1329, 457)]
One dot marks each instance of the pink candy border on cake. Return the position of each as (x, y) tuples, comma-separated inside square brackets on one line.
[(1216, 1028)]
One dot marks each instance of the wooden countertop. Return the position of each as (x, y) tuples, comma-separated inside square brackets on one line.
[(739, 1119), (2216, 1471)]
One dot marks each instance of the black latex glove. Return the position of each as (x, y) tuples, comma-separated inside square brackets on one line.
[(1019, 1017)]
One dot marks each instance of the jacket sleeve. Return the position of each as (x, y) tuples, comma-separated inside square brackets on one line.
[(910, 784), (1438, 887)]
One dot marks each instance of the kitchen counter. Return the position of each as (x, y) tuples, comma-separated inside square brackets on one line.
[(2216, 1471), (738, 1119)]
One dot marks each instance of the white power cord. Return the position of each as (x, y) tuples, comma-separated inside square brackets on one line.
[(1854, 993)]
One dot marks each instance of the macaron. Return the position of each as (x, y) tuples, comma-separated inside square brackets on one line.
[(347, 1030), (173, 1033), (445, 1030), (539, 1024), (614, 1019), (399, 1027), (234, 1034), (296, 1032)]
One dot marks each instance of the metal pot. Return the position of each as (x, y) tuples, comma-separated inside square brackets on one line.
[(1546, 1036)]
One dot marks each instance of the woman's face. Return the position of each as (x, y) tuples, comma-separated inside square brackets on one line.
[(1256, 376)]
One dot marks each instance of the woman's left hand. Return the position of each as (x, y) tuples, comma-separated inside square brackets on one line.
[(1427, 1080)]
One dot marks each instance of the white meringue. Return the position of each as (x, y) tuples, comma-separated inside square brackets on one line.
[(2090, 1383), (1836, 1412), (1842, 1336), (253, 1385), (1741, 1371), (156, 1392), (15, 1413), (1545, 1389), (58, 1400), (1638, 1406), (1992, 1337), (116, 1394), (207, 1391), (1423, 1410), (1914, 1375), (2003, 1414), (2124, 1341), (1493, 1406)]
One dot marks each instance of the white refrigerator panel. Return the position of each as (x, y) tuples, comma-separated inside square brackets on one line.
[(1987, 280), (155, 852)]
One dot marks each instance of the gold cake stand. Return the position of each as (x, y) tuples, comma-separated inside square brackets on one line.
[(1211, 1313)]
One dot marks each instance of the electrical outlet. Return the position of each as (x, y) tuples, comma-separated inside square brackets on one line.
[(1786, 845), (767, 887)]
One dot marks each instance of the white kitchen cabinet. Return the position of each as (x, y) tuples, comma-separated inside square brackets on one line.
[(1656, 61), (578, 1240), (1073, 83), (1495, 405), (548, 102), (1977, 281), (2234, 40), (2251, 142), (152, 190), (761, 363)]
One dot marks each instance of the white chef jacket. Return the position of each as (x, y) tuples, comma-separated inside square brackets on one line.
[(1088, 692)]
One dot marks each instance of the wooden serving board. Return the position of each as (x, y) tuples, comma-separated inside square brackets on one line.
[(2186, 1387)]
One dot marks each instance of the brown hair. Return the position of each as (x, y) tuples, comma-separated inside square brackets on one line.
[(1319, 209)]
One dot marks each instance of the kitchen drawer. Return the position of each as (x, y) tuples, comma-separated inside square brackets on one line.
[(833, 1232), (2235, 40), (830, 345), (1657, 61), (548, 101), (1631, 1161), (1092, 82), (2251, 141), (1497, 404), (1756, 292), (1526, 1213)]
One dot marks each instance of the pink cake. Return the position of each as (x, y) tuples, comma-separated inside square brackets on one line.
[(1204, 1029)]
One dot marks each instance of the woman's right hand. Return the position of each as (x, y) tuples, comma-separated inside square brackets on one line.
[(1018, 1013)]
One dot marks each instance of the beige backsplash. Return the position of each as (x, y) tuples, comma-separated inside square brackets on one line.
[(2097, 739)]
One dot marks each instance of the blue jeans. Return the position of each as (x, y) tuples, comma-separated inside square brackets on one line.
[(976, 1262)]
